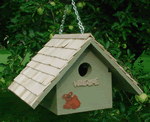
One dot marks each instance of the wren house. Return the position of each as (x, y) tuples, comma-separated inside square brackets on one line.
[(72, 73)]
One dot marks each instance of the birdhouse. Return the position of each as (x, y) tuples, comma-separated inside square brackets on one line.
[(72, 73)]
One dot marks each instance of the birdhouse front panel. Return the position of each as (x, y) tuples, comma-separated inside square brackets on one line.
[(86, 86)]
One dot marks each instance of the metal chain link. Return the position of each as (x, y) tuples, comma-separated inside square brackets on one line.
[(63, 20), (78, 18)]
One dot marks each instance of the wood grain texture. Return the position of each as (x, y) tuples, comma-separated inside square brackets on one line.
[(48, 69), (27, 70), (44, 49), (32, 64), (72, 36), (30, 73), (48, 60), (112, 57), (20, 91), (52, 42), (22, 79), (76, 44), (29, 83), (48, 80), (37, 89), (38, 57), (49, 51), (23, 70), (39, 77), (19, 78), (65, 43), (101, 46), (25, 95), (30, 98), (13, 86), (58, 63), (66, 54), (56, 51)]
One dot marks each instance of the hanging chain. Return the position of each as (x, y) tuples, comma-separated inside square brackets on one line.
[(78, 18), (63, 20)]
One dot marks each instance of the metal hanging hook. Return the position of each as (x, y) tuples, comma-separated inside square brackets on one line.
[(63, 20), (78, 18)]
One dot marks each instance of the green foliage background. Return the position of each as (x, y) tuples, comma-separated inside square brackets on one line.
[(121, 26)]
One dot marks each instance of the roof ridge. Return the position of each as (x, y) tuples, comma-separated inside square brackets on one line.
[(73, 36)]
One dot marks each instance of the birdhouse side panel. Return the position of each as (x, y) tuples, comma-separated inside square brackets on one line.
[(120, 83), (80, 90), (50, 102)]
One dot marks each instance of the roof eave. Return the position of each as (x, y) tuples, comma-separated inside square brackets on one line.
[(118, 70)]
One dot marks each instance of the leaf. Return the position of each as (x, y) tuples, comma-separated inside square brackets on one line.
[(129, 31), (145, 77), (146, 114), (2, 65), (97, 22), (107, 44), (145, 89), (14, 20), (34, 44), (118, 14), (124, 35), (129, 7), (19, 36), (134, 23), (2, 80), (131, 109), (113, 52), (121, 96), (104, 120), (139, 108), (122, 107), (128, 52), (95, 120), (39, 46), (3, 6), (97, 32), (115, 118), (31, 33), (91, 6), (95, 113), (40, 34), (132, 56), (24, 32), (147, 119), (118, 54), (109, 37), (115, 6), (10, 26), (48, 6), (9, 57), (40, 39), (91, 114), (46, 34)]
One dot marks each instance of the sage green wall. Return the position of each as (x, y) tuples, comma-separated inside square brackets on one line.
[(91, 97), (49, 102)]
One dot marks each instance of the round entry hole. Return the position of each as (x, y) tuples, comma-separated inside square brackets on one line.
[(84, 69)]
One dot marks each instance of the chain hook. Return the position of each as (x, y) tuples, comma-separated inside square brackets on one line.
[(78, 18)]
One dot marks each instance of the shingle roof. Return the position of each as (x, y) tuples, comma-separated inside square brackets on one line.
[(49, 62)]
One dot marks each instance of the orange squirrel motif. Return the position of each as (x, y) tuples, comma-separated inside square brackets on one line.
[(71, 101)]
